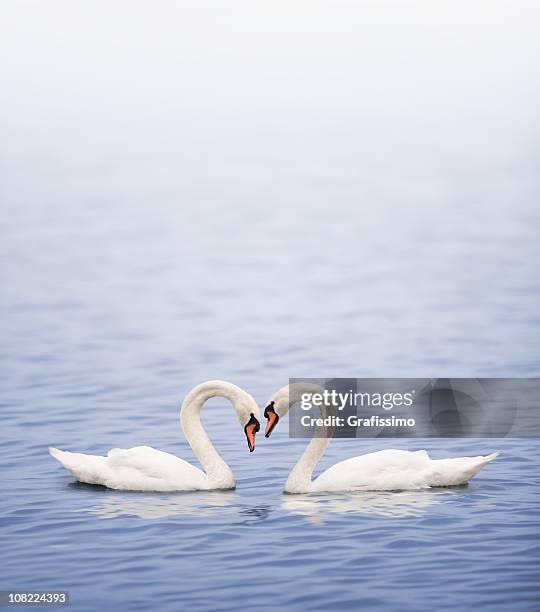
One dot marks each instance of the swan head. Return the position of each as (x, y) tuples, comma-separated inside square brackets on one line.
[(248, 414), (244, 405), (280, 403), (250, 429), (277, 407), (272, 418)]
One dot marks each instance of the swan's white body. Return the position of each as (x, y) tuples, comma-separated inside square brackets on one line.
[(390, 470), (385, 470), (143, 468)]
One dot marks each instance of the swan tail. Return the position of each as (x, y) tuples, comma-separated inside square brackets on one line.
[(488, 458), (67, 459), (58, 454), (458, 471), (85, 468)]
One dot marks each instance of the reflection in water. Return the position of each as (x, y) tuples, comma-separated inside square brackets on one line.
[(155, 506), (383, 503), (257, 512)]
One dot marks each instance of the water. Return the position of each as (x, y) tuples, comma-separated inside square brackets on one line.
[(108, 328), (153, 239)]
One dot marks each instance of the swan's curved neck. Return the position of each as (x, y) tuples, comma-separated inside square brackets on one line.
[(219, 473), (299, 479)]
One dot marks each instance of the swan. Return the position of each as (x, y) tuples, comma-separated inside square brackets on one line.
[(385, 470), (143, 468)]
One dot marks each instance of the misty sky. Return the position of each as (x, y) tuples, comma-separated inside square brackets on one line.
[(158, 93)]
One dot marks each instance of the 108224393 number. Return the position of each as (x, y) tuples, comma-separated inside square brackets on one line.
[(37, 598)]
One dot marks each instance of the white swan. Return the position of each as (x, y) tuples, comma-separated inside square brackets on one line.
[(146, 469), (386, 470)]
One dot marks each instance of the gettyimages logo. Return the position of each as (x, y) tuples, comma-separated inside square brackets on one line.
[(423, 407), (340, 400)]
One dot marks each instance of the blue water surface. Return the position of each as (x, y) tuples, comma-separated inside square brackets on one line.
[(106, 333)]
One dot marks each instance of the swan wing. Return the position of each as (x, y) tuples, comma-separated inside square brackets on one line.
[(141, 468), (386, 470)]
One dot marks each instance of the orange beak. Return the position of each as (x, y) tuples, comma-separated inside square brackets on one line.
[(272, 419), (251, 430)]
